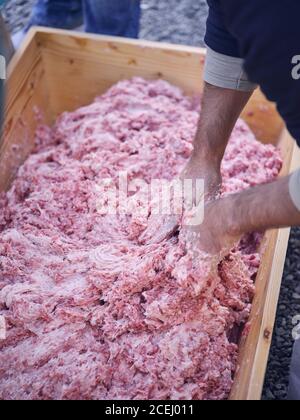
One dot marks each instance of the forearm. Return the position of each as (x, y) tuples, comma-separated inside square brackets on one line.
[(261, 208), (220, 110)]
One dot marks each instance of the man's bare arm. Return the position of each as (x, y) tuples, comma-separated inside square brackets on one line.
[(257, 209), (220, 111)]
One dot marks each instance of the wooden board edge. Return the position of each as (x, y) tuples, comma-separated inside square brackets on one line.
[(262, 352), (28, 39), (24, 96), (249, 380), (267, 328), (14, 62), (42, 32)]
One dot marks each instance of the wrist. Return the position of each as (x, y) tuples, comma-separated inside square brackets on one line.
[(208, 147), (206, 157), (233, 217)]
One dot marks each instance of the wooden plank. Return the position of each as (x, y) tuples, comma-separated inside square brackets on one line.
[(255, 348), (270, 308), (263, 119), (26, 90)]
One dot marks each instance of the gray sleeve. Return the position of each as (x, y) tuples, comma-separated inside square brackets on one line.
[(295, 188), (226, 72)]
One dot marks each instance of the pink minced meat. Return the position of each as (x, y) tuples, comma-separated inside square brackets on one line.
[(90, 312)]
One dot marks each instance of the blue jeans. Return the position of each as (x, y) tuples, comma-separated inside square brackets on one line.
[(108, 17)]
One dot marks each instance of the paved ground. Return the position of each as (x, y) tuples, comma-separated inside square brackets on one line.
[(183, 21)]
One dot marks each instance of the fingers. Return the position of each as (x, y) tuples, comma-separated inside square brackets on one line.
[(150, 231), (165, 232), (159, 229)]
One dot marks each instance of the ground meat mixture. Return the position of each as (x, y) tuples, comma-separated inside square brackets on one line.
[(90, 312)]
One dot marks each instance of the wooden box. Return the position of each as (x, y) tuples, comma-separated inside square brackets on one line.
[(57, 71)]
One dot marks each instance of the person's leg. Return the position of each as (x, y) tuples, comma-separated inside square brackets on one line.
[(294, 390), (112, 17), (64, 14)]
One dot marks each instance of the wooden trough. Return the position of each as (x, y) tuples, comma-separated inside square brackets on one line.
[(57, 71)]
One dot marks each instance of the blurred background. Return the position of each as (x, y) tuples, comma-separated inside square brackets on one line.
[(178, 21)]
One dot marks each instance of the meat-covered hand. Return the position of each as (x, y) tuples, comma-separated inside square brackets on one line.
[(220, 109), (257, 209), (206, 170), (161, 227), (217, 232)]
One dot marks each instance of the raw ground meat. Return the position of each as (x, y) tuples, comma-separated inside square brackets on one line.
[(90, 312)]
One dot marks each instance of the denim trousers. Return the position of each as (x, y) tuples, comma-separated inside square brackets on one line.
[(108, 17)]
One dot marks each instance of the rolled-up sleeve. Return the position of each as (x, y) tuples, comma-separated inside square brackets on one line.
[(226, 72), (224, 66), (295, 188)]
